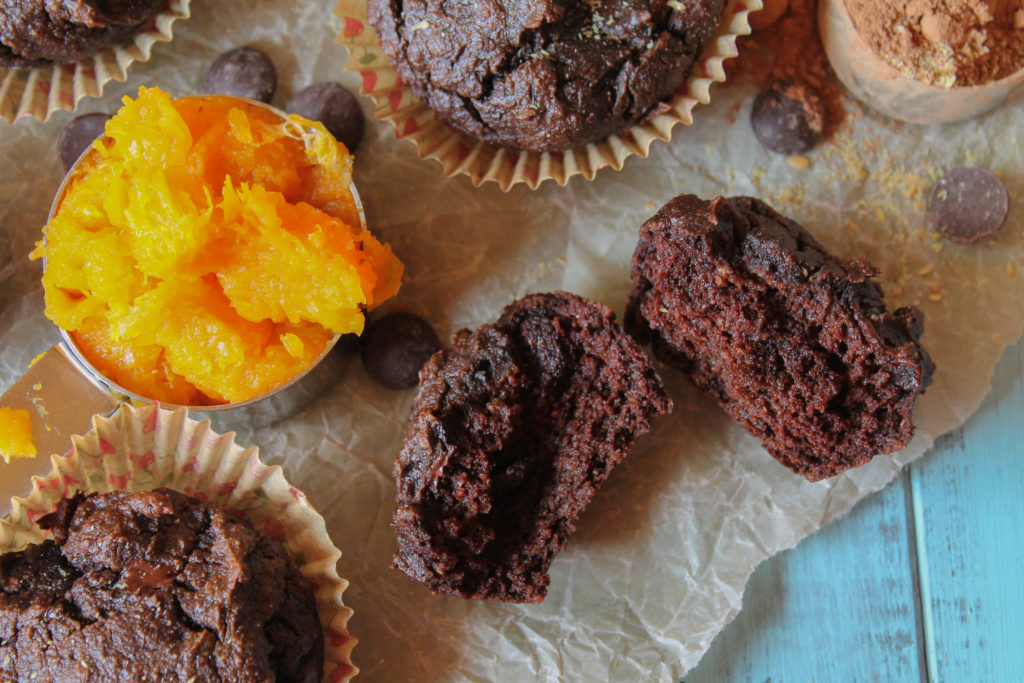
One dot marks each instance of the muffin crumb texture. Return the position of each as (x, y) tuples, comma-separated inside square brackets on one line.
[(514, 429), (155, 586), (794, 344)]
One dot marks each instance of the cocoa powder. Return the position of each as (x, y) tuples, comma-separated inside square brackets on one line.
[(944, 42), (789, 49)]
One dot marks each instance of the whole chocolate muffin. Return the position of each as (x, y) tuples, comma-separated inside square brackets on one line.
[(544, 74), (41, 32), (155, 586), (514, 429), (795, 344)]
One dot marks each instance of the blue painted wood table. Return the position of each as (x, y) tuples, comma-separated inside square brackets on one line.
[(923, 581)]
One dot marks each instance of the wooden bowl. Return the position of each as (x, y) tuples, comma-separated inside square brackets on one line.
[(883, 88)]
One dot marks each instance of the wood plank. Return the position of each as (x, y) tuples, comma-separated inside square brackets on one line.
[(838, 607), (970, 509)]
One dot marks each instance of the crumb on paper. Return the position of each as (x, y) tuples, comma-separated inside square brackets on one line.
[(756, 175), (799, 162), (16, 434), (792, 195)]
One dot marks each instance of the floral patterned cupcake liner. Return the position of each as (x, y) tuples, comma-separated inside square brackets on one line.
[(42, 91), (149, 447), (459, 153)]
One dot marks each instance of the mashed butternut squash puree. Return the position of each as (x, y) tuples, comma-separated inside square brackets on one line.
[(207, 251), (16, 434)]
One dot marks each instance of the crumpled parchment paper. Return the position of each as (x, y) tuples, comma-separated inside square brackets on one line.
[(661, 558)]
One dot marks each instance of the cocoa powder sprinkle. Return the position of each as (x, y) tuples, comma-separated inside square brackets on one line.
[(790, 50)]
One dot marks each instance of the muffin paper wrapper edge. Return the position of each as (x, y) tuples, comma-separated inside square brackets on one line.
[(40, 92), (460, 153), (139, 449)]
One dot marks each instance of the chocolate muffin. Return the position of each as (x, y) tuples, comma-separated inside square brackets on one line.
[(795, 344), (10, 60), (155, 586), (544, 74), (42, 32), (513, 430)]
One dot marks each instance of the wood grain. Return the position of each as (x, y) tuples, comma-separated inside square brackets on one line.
[(971, 520)]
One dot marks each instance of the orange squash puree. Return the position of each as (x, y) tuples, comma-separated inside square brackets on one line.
[(207, 251), (16, 434)]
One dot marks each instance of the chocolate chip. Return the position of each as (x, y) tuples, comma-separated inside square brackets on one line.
[(348, 344), (968, 204), (333, 106), (76, 137), (396, 347), (244, 72), (788, 118)]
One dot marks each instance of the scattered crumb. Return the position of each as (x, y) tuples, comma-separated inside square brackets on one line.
[(794, 194)]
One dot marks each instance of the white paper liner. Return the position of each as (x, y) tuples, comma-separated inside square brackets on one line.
[(460, 153), (40, 92), (139, 449)]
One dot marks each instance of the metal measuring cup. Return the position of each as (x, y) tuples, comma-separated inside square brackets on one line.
[(62, 390)]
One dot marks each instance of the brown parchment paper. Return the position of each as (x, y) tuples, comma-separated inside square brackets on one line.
[(661, 558)]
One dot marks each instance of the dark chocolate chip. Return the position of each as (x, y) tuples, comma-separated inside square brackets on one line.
[(333, 106), (968, 204), (348, 344), (244, 72), (396, 347), (788, 118), (76, 137)]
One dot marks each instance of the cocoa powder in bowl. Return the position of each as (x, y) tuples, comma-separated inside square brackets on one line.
[(946, 43)]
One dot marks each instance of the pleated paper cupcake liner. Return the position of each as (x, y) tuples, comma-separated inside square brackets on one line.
[(139, 449), (42, 91), (459, 153)]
